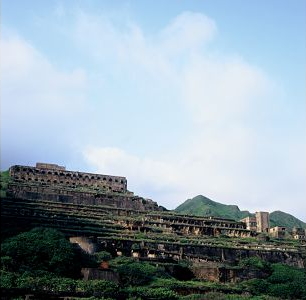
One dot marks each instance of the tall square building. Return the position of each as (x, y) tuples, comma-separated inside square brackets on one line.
[(262, 220)]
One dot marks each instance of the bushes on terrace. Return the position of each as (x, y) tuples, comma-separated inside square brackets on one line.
[(45, 283), (98, 288), (159, 293), (255, 262), (102, 256), (41, 249), (136, 273), (285, 282)]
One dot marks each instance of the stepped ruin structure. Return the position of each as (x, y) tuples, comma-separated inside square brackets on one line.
[(101, 208), (50, 182), (55, 183)]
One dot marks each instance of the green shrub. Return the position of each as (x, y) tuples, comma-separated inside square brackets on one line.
[(46, 282), (8, 280), (287, 282), (136, 273), (255, 262), (98, 288), (102, 256), (121, 260), (256, 286), (39, 249), (151, 293)]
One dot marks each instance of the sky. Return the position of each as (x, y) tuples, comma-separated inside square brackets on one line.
[(181, 97)]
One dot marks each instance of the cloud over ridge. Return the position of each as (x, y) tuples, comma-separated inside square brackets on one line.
[(162, 108)]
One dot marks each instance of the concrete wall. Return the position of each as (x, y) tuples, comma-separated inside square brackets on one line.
[(68, 178)]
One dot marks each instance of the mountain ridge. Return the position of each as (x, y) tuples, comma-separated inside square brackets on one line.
[(203, 206)]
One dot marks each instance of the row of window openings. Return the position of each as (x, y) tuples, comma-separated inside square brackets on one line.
[(74, 175), (61, 182)]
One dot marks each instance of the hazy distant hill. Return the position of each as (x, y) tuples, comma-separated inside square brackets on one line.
[(203, 206)]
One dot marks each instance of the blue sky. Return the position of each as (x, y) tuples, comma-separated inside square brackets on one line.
[(181, 97)]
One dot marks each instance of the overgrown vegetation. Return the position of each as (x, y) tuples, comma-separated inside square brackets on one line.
[(284, 282), (41, 250), (4, 180), (43, 261)]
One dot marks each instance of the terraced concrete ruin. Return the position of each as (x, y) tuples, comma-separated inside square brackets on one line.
[(99, 209), (54, 183)]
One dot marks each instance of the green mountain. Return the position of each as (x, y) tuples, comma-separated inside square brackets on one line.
[(279, 218), (202, 206)]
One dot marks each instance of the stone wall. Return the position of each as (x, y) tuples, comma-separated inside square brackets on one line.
[(58, 193), (205, 253), (58, 175), (219, 273)]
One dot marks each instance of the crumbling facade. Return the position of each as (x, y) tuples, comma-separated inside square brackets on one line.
[(250, 222), (278, 232), (51, 182), (299, 233), (262, 220), (51, 174), (258, 223)]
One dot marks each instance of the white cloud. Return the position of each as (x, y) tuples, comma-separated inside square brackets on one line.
[(142, 173), (39, 103), (32, 81), (188, 31), (217, 91), (225, 154), (174, 117)]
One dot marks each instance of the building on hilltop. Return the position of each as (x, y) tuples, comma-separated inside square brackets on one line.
[(50, 166), (51, 182), (262, 220), (299, 233), (259, 222), (250, 222), (53, 174), (278, 232)]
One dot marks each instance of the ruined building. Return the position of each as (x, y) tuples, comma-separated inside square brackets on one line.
[(250, 222), (55, 183), (299, 233), (278, 232), (100, 207), (51, 174), (258, 223), (262, 220)]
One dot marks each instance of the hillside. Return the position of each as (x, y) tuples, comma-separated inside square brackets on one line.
[(203, 206), (279, 218), (150, 253)]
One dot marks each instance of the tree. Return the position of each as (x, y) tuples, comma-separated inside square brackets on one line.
[(39, 249), (136, 273), (102, 256), (287, 282)]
